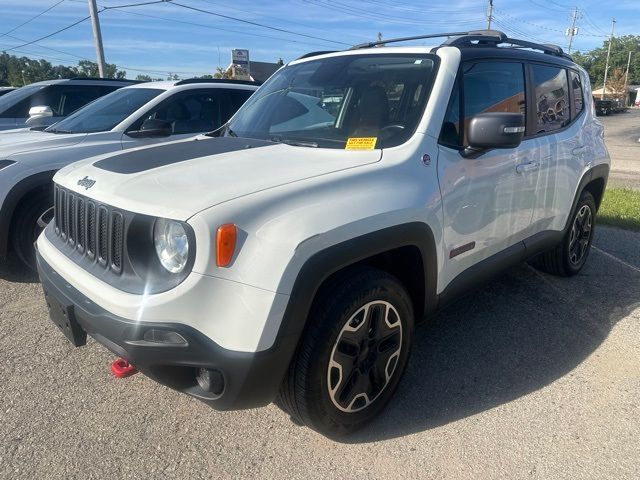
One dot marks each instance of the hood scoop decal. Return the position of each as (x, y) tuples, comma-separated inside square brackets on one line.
[(138, 161)]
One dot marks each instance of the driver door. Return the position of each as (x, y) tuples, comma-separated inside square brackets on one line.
[(488, 200)]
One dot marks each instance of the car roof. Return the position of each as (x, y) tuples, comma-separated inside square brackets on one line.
[(475, 44), (183, 84), (86, 81)]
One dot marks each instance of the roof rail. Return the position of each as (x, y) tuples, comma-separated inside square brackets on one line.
[(189, 81), (482, 37), (406, 39), (315, 54), (98, 79), (486, 36)]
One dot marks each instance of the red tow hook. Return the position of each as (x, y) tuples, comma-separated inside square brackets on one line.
[(122, 369)]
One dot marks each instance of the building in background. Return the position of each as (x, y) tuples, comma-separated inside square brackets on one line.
[(242, 68)]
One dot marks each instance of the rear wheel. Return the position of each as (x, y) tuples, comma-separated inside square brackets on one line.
[(353, 354), (571, 254), (30, 218)]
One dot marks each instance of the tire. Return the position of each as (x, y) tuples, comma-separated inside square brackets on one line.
[(316, 391), (568, 258), (30, 218)]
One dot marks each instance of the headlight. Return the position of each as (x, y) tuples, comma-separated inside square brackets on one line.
[(172, 244)]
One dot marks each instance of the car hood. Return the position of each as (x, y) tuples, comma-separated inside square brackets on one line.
[(179, 179), (29, 140)]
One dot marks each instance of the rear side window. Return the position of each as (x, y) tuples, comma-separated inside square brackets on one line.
[(63, 99), (551, 91), (197, 111), (487, 87), (578, 95)]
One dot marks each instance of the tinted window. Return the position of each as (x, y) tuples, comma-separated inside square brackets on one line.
[(63, 99), (578, 96), (487, 87), (552, 97), (13, 102), (327, 101), (195, 111), (106, 112)]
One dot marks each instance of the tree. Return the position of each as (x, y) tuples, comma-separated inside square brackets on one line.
[(221, 73), (87, 68), (144, 78), (173, 76), (595, 60)]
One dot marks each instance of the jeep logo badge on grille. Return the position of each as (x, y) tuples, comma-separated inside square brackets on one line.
[(86, 182)]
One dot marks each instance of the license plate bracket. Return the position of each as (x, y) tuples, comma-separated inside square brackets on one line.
[(63, 315)]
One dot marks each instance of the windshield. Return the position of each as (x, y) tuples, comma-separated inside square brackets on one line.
[(10, 99), (349, 101), (106, 112)]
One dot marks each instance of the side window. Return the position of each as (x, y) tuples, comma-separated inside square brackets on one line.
[(73, 97), (238, 97), (450, 133), (194, 111), (487, 87), (49, 96), (551, 91), (578, 95)]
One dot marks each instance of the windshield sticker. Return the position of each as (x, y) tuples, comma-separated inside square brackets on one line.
[(361, 143)]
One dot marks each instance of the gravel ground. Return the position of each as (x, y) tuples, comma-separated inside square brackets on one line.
[(622, 136), (531, 377)]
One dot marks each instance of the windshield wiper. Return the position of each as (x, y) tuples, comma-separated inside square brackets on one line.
[(295, 143), (58, 130), (221, 130)]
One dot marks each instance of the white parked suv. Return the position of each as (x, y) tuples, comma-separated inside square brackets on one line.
[(288, 257), (135, 116)]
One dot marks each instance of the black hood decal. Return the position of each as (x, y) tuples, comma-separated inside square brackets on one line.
[(168, 154)]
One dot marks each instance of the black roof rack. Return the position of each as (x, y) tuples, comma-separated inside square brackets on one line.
[(315, 54), (482, 37), (217, 80)]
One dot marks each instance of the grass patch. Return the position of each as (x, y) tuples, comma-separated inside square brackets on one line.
[(620, 208)]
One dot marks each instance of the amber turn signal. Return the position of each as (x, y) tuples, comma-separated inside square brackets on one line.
[(226, 244)]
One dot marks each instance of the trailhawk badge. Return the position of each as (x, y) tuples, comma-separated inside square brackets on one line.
[(86, 182)]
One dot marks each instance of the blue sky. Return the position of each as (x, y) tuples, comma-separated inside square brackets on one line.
[(160, 38)]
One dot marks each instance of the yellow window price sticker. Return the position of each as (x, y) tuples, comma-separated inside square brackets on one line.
[(361, 143)]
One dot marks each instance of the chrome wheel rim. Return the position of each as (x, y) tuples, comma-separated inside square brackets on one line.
[(580, 235), (364, 356)]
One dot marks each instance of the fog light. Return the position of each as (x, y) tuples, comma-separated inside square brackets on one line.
[(210, 380), (164, 336)]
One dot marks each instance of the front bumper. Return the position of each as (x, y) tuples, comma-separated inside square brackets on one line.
[(250, 379)]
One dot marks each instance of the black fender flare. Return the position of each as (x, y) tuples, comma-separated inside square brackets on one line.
[(320, 266), (13, 198), (594, 173)]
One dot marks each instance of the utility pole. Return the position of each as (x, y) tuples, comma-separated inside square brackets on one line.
[(606, 68), (573, 30), (489, 14), (97, 36), (626, 80)]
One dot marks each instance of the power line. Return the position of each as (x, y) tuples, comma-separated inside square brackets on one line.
[(229, 17), (210, 27), (51, 34), (31, 19)]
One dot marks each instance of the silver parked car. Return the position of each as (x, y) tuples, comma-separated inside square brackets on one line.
[(45, 103)]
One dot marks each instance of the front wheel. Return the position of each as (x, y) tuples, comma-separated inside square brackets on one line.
[(353, 353), (571, 254), (31, 217)]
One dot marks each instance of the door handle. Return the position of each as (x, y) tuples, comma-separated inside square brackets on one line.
[(527, 167)]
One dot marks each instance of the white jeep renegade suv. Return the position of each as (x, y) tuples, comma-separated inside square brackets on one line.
[(287, 256)]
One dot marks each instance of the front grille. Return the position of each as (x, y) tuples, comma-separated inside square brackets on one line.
[(92, 229)]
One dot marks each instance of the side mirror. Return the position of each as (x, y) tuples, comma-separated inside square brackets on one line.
[(36, 114), (152, 128), (491, 130)]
